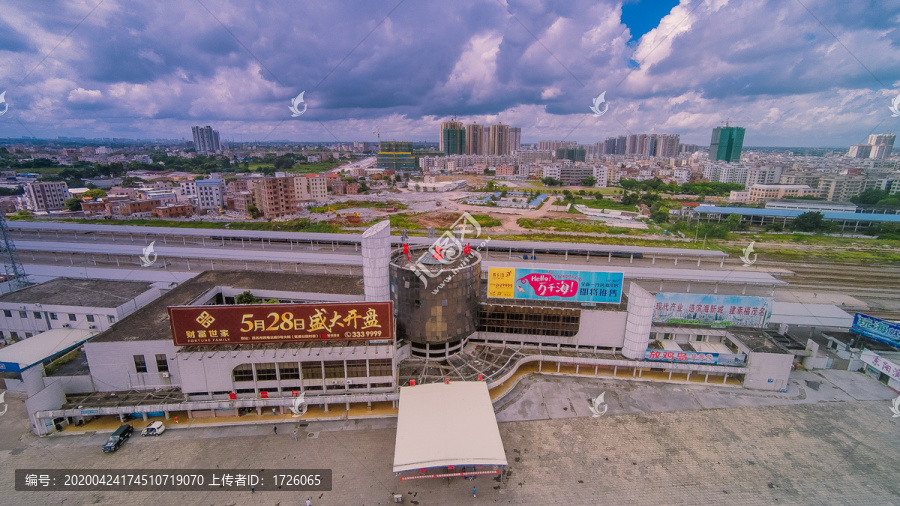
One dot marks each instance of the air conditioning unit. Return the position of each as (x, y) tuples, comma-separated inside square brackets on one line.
[(92, 326), (165, 375), (65, 325)]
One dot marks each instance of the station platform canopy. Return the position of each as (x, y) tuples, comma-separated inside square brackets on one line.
[(447, 424), (20, 356)]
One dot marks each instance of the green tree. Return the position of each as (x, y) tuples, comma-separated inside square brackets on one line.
[(247, 298), (96, 193), (253, 211), (549, 181), (588, 181), (733, 221), (869, 197), (888, 202), (812, 221), (73, 204), (661, 215)]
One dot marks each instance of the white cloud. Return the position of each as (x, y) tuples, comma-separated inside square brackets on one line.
[(85, 96)]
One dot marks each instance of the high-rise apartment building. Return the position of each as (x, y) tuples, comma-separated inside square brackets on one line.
[(396, 156), (515, 139), (206, 140), (499, 140), (453, 138), (47, 196), (882, 145), (667, 145), (474, 139), (726, 144)]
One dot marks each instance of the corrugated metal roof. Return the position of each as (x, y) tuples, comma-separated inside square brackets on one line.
[(793, 213)]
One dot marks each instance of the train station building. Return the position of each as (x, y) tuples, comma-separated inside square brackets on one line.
[(226, 343)]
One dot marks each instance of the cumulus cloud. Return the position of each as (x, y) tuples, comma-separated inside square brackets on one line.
[(153, 69)]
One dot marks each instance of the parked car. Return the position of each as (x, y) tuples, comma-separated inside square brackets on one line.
[(118, 438), (154, 429)]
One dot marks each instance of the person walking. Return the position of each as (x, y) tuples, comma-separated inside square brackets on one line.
[(473, 492), (308, 502), (295, 434), (275, 429)]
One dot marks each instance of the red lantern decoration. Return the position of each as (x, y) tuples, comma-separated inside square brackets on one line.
[(412, 383), (232, 396), (294, 393), (446, 381), (264, 394), (480, 377)]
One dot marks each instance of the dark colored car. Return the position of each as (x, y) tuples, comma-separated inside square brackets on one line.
[(118, 438)]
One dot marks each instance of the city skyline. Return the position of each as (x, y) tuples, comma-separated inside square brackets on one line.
[(817, 77)]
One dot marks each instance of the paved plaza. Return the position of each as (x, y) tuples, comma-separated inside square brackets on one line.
[(830, 439)]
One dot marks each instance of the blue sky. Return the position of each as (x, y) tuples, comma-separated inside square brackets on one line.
[(817, 73)]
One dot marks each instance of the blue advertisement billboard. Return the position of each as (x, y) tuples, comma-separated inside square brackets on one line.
[(571, 286), (877, 329), (725, 310)]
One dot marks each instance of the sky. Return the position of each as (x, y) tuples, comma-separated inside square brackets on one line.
[(792, 72)]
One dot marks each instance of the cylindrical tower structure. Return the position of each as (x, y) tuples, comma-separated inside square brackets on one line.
[(435, 300), (638, 322)]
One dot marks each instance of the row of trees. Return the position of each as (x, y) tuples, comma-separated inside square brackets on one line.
[(876, 197), (657, 185)]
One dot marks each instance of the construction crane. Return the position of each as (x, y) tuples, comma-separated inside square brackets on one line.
[(15, 273), (727, 121)]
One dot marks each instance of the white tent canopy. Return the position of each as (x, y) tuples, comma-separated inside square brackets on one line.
[(447, 424)]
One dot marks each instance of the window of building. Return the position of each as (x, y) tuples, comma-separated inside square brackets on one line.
[(7, 313), (265, 372), (311, 370), (140, 365), (162, 365), (243, 372), (72, 317), (334, 369), (52, 316), (111, 318), (28, 334), (37, 315), (289, 370), (380, 367), (356, 368), (90, 318), (23, 314)]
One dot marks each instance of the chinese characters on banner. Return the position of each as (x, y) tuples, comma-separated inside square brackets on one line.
[(690, 357), (574, 286), (712, 309), (877, 329), (681, 356), (271, 323), (881, 364)]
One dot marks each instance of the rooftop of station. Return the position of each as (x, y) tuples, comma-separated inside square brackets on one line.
[(151, 323), (78, 292)]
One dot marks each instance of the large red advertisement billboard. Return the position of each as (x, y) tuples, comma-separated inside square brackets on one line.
[(281, 323)]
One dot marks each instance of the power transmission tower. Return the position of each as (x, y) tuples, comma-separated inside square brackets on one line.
[(15, 273)]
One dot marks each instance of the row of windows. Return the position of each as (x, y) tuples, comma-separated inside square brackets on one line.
[(140, 363), (55, 316), (15, 335), (311, 370)]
